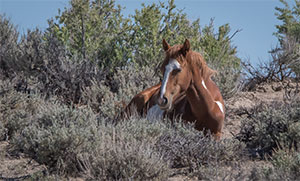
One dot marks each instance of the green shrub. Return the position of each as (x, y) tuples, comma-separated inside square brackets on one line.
[(270, 127), (8, 46)]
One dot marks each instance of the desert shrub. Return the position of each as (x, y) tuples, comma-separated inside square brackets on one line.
[(95, 96), (127, 160), (3, 131), (56, 134), (66, 79), (16, 108), (41, 58), (283, 65), (228, 81), (140, 149), (216, 171), (126, 153), (276, 126), (109, 97), (130, 80), (283, 165), (186, 147), (74, 141), (286, 165)]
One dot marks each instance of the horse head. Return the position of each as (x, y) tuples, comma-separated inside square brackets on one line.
[(177, 74)]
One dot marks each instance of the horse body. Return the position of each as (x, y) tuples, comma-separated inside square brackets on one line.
[(186, 90)]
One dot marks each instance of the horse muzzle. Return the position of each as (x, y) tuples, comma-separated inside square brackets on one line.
[(164, 103)]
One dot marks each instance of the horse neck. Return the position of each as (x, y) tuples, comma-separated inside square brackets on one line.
[(198, 94)]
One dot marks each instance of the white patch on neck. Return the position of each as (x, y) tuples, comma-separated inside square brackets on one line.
[(173, 65), (203, 83), (220, 106), (155, 113)]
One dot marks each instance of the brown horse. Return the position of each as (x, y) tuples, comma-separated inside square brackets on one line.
[(185, 71), (186, 91)]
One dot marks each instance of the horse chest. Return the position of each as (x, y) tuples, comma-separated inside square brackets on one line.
[(155, 113)]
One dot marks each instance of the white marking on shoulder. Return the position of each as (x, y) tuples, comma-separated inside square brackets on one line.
[(203, 83), (220, 106), (155, 113)]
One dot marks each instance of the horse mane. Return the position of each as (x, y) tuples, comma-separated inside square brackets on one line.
[(197, 61)]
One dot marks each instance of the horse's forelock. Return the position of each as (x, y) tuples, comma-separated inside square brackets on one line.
[(172, 53)]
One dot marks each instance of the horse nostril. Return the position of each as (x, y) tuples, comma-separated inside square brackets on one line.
[(162, 101), (165, 100)]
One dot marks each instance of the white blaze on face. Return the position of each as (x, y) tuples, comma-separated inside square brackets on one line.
[(173, 65)]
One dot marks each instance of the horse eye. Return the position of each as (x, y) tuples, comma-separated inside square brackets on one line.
[(176, 71)]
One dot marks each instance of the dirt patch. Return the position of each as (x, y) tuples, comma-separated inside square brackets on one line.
[(17, 167), (239, 106)]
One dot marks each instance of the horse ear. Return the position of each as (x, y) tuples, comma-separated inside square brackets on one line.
[(186, 47), (165, 45)]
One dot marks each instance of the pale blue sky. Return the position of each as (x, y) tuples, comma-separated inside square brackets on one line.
[(255, 17)]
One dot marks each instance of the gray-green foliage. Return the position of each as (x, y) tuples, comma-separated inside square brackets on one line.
[(289, 30), (95, 29), (276, 126), (8, 45), (109, 98), (15, 108), (283, 165), (286, 165), (127, 151), (186, 147), (56, 135), (290, 20), (76, 141), (155, 22), (104, 36), (41, 59)]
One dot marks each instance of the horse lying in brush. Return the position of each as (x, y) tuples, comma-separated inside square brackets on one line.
[(186, 91)]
